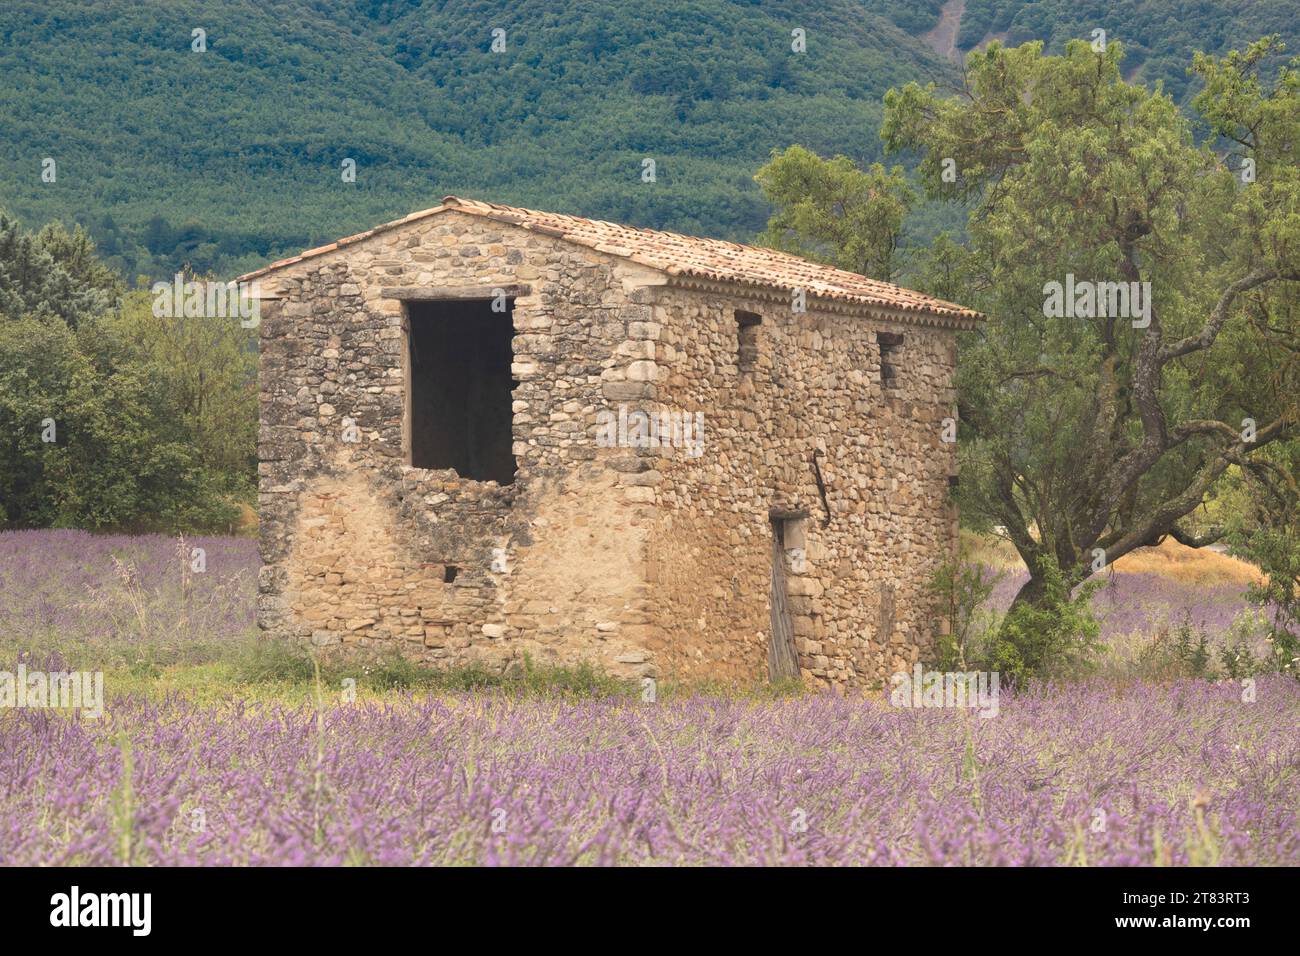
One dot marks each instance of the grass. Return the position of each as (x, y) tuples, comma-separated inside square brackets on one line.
[(277, 662), (1169, 559), (258, 670)]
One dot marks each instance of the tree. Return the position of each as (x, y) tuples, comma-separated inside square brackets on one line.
[(112, 417), (1265, 529), (829, 210), (207, 366), (52, 273), (1088, 436)]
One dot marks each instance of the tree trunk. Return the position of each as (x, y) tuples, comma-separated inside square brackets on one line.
[(1030, 593)]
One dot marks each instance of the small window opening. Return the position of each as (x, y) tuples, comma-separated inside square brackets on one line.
[(747, 324), (449, 573), (890, 345), (460, 388)]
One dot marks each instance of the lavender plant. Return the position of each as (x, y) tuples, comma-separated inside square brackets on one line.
[(1075, 774)]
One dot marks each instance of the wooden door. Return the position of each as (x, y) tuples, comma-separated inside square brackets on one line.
[(782, 661)]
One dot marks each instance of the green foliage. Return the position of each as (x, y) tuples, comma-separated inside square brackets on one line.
[(914, 16), (103, 423), (264, 661), (1160, 35), (1054, 636), (119, 458), (52, 274), (1183, 653), (961, 588), (1266, 531), (832, 211), (1236, 659), (286, 665), (1188, 652), (225, 159), (1098, 431), (208, 369)]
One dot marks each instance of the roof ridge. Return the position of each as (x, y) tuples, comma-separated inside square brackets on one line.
[(678, 254), (743, 246)]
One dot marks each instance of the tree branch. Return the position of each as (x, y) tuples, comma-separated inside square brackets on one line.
[(1120, 542), (1196, 540), (1218, 316)]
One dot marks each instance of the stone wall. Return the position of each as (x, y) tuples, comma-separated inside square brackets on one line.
[(356, 545), (859, 597), (642, 560)]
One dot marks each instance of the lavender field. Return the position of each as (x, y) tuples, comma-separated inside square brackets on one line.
[(1187, 774), (1090, 773), (72, 589)]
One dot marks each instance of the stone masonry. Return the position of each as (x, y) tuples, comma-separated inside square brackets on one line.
[(642, 560)]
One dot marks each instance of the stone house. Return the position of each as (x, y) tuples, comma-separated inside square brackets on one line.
[(490, 432)]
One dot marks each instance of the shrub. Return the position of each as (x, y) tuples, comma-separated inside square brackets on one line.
[(961, 589), (1056, 636)]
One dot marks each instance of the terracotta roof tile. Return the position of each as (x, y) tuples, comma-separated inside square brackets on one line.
[(680, 255)]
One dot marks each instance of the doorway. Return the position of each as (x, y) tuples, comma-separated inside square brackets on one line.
[(782, 659)]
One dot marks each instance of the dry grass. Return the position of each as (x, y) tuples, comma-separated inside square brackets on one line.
[(1169, 559), (1189, 565), (990, 551)]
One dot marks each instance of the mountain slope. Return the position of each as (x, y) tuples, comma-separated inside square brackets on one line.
[(225, 158), (1159, 36), (222, 158)]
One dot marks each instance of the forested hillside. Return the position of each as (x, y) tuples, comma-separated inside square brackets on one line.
[(1159, 35), (222, 158)]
